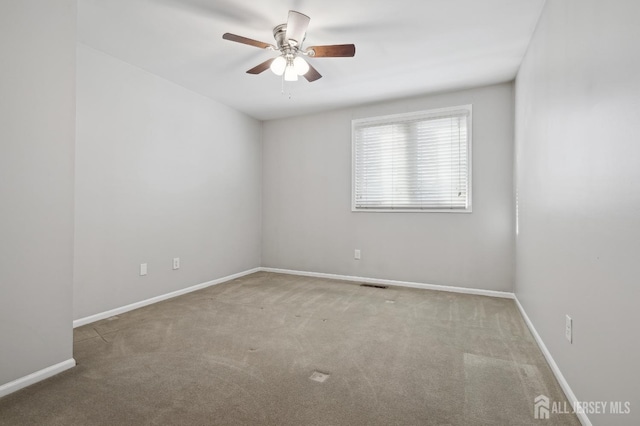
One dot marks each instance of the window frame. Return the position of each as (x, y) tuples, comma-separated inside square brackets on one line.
[(394, 118)]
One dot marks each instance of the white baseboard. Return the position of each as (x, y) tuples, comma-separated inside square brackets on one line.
[(102, 315), (465, 290), (32, 378), (584, 419)]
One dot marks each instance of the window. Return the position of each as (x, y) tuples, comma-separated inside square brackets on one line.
[(413, 162)]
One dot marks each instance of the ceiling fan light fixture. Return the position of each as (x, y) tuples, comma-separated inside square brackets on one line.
[(300, 65), (290, 73), (278, 65), (289, 38)]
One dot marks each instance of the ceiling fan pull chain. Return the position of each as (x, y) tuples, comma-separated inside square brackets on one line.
[(282, 88)]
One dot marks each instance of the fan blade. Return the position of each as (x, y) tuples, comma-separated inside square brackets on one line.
[(245, 40), (312, 74), (332, 51), (297, 25), (262, 67)]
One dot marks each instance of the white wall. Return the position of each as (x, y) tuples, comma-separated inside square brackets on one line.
[(161, 172), (308, 224), (578, 183), (37, 116)]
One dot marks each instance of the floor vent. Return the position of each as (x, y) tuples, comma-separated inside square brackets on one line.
[(374, 285), (319, 376)]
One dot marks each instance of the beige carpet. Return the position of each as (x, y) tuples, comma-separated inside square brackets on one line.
[(243, 352)]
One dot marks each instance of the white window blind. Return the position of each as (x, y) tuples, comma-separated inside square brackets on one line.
[(413, 162)]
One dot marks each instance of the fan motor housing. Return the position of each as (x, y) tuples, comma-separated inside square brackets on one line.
[(279, 34)]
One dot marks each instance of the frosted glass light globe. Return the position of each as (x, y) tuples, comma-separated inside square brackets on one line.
[(290, 73), (278, 65), (300, 65)]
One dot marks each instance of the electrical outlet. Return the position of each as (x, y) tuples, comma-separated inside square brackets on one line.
[(356, 254), (143, 269), (176, 263), (568, 329)]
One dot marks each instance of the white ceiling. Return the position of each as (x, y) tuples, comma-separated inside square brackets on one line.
[(403, 47)]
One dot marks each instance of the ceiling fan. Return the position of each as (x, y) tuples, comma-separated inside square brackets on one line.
[(289, 38)]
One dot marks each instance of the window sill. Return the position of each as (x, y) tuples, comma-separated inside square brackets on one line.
[(357, 210)]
